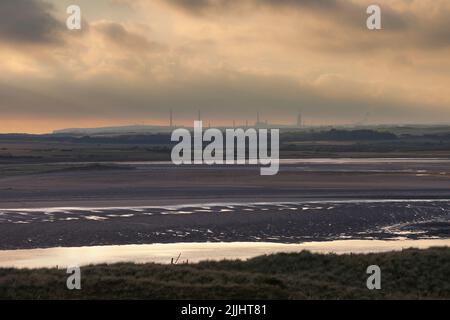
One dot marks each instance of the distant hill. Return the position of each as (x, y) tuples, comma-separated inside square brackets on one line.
[(340, 135), (114, 130)]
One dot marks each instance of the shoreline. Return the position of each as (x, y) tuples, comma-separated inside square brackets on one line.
[(317, 197), (196, 252), (179, 205)]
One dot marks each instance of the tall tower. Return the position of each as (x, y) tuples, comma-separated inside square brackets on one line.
[(299, 120), (171, 118)]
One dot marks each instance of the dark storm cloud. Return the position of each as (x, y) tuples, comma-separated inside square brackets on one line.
[(277, 98), (343, 11), (410, 28), (203, 6), (28, 21), (194, 5), (437, 32), (119, 35)]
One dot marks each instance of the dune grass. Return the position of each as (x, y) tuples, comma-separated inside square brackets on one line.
[(410, 274)]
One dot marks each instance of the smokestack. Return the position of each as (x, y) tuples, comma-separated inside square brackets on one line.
[(299, 120)]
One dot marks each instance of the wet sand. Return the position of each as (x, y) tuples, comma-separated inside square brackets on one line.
[(164, 184), (225, 222)]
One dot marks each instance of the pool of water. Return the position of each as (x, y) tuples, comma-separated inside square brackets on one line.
[(193, 252)]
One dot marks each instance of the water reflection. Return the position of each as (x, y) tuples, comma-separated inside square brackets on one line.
[(194, 252)]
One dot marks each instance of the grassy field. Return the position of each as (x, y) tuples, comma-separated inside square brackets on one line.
[(411, 274)]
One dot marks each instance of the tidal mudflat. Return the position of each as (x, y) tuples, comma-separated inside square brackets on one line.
[(132, 203), (225, 222)]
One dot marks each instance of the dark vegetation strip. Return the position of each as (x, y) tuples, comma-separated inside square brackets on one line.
[(411, 274)]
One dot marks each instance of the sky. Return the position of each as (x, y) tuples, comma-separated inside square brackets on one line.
[(134, 60)]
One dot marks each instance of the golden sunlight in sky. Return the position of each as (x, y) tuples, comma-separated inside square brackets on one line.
[(133, 60)]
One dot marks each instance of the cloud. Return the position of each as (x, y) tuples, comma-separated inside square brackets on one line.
[(29, 22), (203, 5), (345, 12), (221, 97), (405, 23), (228, 58), (119, 35)]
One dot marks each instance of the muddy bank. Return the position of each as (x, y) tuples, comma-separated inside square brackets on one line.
[(268, 222)]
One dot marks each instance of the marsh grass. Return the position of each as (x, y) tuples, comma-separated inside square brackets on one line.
[(411, 274)]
